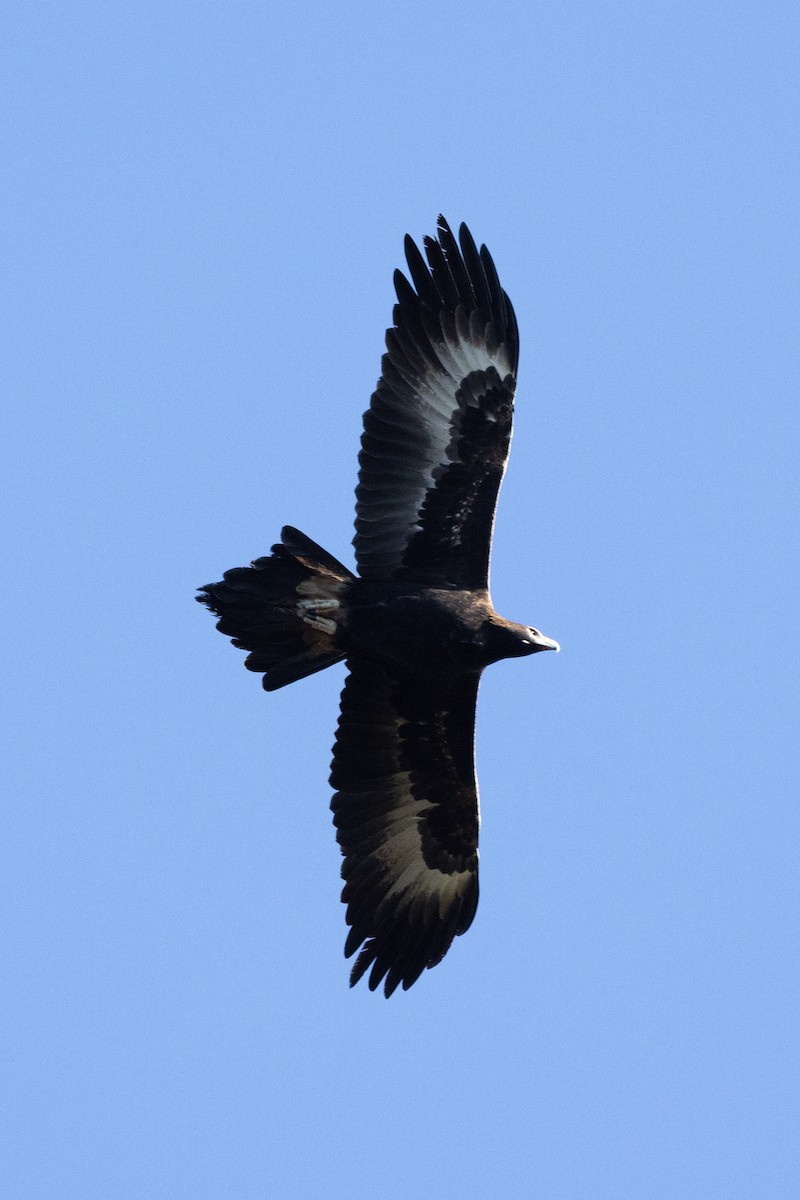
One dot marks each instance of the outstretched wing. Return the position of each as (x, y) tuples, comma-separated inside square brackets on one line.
[(437, 432), (406, 814)]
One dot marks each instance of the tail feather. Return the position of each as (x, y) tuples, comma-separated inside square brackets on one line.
[(284, 609)]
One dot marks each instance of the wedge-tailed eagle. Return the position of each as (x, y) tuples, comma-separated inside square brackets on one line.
[(416, 626)]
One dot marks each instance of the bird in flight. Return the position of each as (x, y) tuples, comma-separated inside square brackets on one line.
[(416, 625)]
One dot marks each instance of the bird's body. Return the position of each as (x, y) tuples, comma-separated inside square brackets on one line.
[(428, 629), (416, 626)]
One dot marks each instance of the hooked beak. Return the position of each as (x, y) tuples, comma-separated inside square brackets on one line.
[(543, 643)]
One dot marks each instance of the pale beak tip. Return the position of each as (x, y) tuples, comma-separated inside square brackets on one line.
[(545, 643)]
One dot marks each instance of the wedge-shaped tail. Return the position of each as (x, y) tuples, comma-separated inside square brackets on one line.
[(283, 608)]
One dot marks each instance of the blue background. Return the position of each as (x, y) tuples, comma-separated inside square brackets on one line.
[(202, 208)]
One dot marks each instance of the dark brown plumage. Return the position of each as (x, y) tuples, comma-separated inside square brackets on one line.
[(416, 625)]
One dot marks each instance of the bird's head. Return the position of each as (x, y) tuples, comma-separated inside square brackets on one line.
[(533, 641), (507, 639)]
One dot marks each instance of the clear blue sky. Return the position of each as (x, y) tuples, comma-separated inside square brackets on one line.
[(202, 208)]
